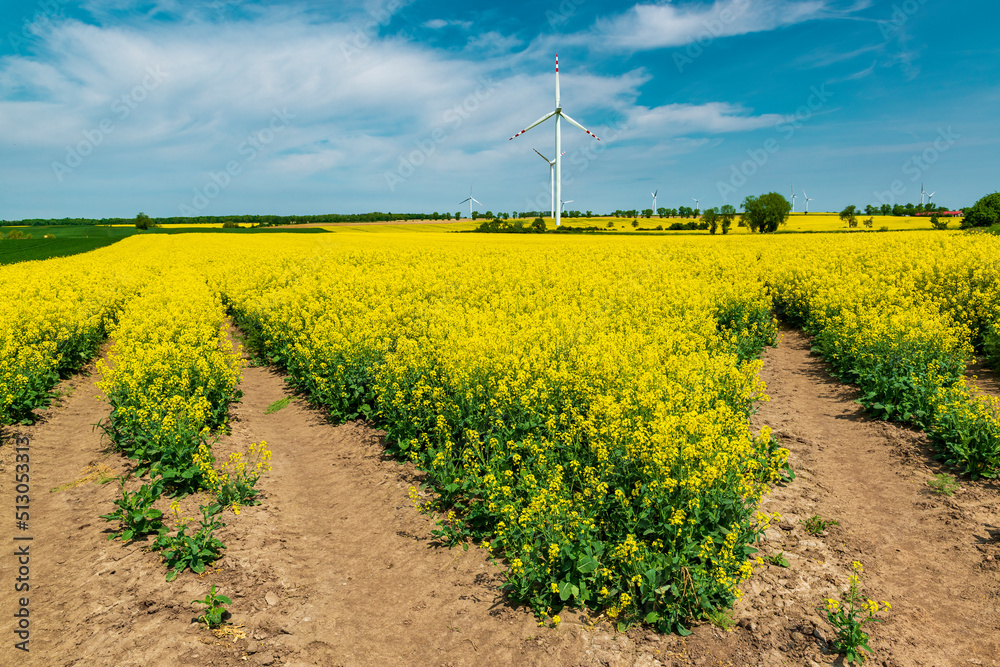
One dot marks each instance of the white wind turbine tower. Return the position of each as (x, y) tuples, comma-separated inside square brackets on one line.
[(654, 200), (552, 179), (697, 204), (922, 193), (470, 200), (558, 113), (807, 200), (793, 197)]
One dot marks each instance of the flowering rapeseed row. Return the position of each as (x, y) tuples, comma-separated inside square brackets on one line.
[(52, 320), (581, 405), (171, 374)]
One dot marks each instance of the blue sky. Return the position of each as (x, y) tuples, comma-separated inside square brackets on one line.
[(109, 107)]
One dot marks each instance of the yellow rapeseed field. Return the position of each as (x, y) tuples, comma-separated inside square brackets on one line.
[(581, 403)]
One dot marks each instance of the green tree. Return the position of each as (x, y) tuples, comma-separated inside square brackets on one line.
[(936, 223), (850, 216), (765, 213), (984, 213), (711, 216), (538, 226), (728, 214), (142, 221)]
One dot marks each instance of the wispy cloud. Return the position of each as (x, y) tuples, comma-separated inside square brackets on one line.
[(655, 26), (711, 118), (437, 24)]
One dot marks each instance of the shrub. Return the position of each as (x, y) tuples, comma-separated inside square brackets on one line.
[(984, 213)]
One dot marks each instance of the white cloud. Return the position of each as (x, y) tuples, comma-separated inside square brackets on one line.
[(437, 24), (654, 26), (711, 118)]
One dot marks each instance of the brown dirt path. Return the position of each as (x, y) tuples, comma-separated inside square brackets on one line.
[(933, 557)]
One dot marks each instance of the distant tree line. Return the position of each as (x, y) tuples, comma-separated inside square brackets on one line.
[(261, 220), (900, 210)]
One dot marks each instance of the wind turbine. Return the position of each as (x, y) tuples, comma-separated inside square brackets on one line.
[(552, 179), (793, 197), (922, 193), (470, 200), (563, 207), (654, 200), (929, 197), (697, 204), (806, 197), (559, 115)]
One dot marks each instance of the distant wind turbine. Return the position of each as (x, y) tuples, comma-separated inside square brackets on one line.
[(654, 200), (697, 204), (559, 115), (806, 197), (793, 197), (929, 197), (470, 200), (552, 179), (563, 207), (922, 193)]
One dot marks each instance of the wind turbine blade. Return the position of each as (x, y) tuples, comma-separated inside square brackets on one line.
[(477, 201), (537, 122), (542, 156), (579, 126), (465, 200)]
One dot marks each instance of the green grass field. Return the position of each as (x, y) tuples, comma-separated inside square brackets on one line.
[(24, 250), (72, 240)]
